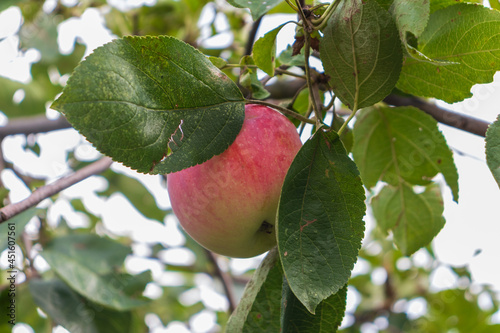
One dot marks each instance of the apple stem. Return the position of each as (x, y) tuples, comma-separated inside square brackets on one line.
[(283, 110)]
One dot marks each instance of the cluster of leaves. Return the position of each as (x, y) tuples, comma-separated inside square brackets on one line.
[(159, 105)]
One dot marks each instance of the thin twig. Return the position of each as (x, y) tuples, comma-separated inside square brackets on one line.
[(226, 280), (49, 190)]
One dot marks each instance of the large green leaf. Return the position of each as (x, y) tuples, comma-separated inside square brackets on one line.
[(259, 307), (415, 219), (13, 228), (264, 51), (89, 265), (361, 52), (296, 318), (466, 35), (391, 144), (440, 4), (257, 7), (493, 149), (75, 313), (154, 103), (320, 219)]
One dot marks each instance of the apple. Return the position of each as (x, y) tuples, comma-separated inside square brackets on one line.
[(228, 204)]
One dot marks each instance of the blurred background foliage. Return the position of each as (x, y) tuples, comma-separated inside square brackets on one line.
[(183, 283)]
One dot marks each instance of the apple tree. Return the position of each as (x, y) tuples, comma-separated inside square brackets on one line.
[(359, 81)]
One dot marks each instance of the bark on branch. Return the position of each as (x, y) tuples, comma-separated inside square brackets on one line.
[(32, 125), (49, 190), (287, 89), (450, 118)]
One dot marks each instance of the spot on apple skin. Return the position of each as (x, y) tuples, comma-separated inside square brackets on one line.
[(266, 227)]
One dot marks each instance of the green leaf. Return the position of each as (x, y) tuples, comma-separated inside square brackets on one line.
[(74, 312), (13, 228), (495, 4), (218, 62), (493, 149), (155, 104), (467, 35), (440, 4), (259, 307), (88, 264), (25, 308), (328, 317), (460, 304), (257, 7), (102, 255), (415, 219), (391, 144), (320, 219), (7, 3), (410, 16), (135, 192), (286, 58), (361, 52), (264, 51)]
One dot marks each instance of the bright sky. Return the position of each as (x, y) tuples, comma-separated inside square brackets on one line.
[(471, 226)]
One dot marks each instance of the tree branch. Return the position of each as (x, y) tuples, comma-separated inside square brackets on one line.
[(30, 125), (226, 280), (287, 89), (49, 190), (252, 35), (447, 117)]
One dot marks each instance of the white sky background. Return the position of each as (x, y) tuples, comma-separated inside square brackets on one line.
[(471, 225)]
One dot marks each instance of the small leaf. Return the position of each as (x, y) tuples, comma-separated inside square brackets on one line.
[(410, 16), (361, 52), (391, 144), (257, 7), (218, 62), (264, 51), (465, 35), (286, 58), (328, 317), (320, 219), (88, 264), (259, 307), (74, 312), (13, 228), (493, 149), (415, 219), (156, 104)]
